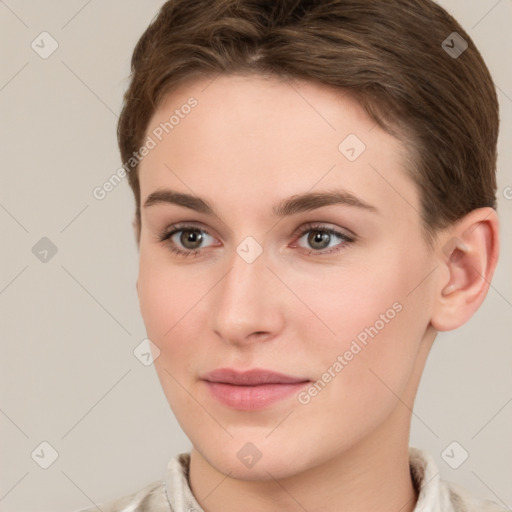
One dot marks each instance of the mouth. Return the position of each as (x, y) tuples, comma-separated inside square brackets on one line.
[(251, 390)]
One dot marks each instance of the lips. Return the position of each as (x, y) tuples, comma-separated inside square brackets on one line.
[(251, 390), (253, 377)]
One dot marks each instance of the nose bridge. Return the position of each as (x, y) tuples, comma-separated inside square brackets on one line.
[(243, 302), (245, 282)]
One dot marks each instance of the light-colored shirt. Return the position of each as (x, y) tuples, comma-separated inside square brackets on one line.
[(173, 493)]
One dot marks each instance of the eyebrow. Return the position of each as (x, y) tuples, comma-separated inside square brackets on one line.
[(295, 204)]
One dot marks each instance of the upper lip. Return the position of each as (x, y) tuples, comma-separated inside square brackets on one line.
[(253, 377)]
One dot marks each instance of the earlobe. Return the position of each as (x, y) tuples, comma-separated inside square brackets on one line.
[(469, 255)]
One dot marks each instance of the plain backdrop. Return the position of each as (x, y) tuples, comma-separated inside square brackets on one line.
[(70, 324)]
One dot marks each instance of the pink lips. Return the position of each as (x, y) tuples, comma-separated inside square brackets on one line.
[(253, 389)]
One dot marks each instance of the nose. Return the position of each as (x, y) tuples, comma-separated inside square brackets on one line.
[(247, 303)]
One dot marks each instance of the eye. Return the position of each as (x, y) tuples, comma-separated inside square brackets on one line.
[(322, 239), (190, 240), (185, 239)]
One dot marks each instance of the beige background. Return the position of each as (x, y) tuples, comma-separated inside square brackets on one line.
[(69, 326)]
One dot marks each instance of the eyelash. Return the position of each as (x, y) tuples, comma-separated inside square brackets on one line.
[(166, 235)]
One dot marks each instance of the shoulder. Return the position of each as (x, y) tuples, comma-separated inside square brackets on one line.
[(441, 495), (462, 500), (172, 493), (150, 498)]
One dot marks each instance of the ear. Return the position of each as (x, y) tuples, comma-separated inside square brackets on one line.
[(468, 255)]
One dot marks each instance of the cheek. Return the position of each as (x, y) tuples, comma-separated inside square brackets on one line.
[(174, 306), (170, 308), (163, 301), (347, 299), (363, 369), (375, 319), (165, 292)]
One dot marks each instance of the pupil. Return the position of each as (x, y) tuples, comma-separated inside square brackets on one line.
[(193, 236), (317, 237)]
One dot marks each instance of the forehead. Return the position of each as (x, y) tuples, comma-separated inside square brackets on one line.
[(257, 137)]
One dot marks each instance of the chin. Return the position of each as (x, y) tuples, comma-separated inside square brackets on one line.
[(243, 460)]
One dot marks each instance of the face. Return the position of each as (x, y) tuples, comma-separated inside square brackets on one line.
[(304, 257)]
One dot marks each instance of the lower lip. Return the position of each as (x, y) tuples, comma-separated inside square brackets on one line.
[(250, 398)]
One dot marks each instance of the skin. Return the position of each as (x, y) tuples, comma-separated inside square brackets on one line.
[(251, 142)]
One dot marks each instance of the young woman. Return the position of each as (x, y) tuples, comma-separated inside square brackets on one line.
[(315, 189)]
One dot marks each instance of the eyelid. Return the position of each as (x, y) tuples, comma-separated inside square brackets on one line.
[(182, 226), (325, 226)]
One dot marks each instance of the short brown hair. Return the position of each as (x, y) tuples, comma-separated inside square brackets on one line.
[(390, 55)]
